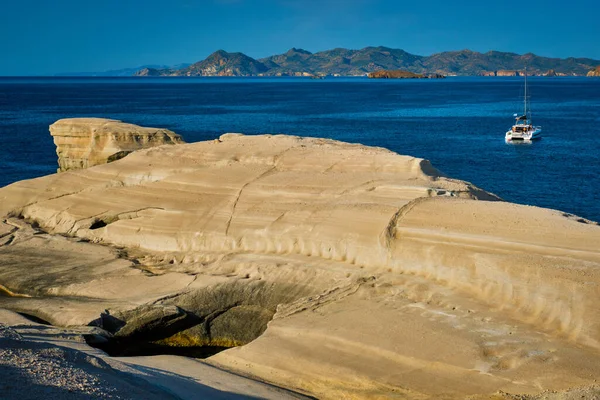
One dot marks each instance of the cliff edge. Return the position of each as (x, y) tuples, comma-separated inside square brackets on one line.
[(85, 142)]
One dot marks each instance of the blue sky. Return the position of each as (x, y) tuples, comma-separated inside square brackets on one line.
[(43, 37)]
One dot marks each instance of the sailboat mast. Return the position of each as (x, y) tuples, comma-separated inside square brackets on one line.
[(525, 97)]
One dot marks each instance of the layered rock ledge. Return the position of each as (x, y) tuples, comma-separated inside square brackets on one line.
[(343, 270), (85, 142)]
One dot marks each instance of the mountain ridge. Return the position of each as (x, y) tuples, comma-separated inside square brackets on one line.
[(350, 62)]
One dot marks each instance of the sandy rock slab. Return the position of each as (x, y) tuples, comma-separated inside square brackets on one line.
[(334, 269)]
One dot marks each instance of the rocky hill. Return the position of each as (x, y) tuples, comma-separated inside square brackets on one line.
[(346, 62), (594, 72), (219, 63), (340, 61), (467, 62)]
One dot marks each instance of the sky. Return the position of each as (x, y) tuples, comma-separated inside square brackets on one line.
[(45, 37)]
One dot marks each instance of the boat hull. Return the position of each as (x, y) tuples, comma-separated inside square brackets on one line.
[(534, 134)]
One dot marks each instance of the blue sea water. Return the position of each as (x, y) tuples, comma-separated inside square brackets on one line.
[(456, 123)]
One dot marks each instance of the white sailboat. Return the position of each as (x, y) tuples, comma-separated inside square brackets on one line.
[(523, 129)]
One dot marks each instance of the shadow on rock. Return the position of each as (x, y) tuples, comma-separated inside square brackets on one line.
[(198, 323)]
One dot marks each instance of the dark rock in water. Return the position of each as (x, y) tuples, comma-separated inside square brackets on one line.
[(401, 74), (394, 74)]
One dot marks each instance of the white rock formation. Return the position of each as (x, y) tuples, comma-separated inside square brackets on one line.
[(85, 142)]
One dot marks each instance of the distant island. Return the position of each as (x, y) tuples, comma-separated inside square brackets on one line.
[(345, 62)]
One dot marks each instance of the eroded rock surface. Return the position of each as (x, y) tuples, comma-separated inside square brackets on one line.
[(346, 271), (85, 142)]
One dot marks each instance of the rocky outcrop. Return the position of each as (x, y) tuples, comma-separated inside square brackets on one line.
[(394, 74), (399, 74), (325, 265), (594, 72), (85, 142), (504, 72)]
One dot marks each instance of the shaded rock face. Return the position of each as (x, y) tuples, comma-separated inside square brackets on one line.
[(85, 142), (200, 322)]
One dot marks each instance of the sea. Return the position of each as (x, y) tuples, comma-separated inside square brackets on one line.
[(457, 123)]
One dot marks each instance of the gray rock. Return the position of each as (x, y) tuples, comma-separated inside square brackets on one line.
[(149, 322)]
